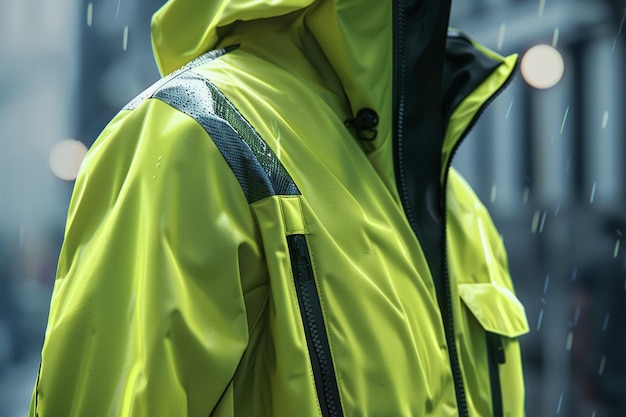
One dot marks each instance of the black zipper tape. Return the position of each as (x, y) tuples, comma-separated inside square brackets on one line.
[(314, 327), (495, 357)]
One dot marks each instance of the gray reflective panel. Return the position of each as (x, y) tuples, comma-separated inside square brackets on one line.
[(149, 92), (253, 162)]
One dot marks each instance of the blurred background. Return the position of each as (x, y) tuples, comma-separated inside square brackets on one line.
[(546, 158)]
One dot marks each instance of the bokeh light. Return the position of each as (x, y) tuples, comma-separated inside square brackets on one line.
[(542, 66), (66, 157)]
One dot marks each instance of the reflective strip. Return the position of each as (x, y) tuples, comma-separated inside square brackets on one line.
[(253, 162)]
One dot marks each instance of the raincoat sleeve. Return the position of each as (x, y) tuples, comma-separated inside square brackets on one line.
[(147, 315)]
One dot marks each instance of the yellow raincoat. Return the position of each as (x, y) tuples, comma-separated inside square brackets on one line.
[(274, 228)]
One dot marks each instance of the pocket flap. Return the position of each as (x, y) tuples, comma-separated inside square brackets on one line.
[(496, 308)]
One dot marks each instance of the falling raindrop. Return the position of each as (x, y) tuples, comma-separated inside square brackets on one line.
[(602, 365), (574, 273), (535, 223), (593, 192), (125, 40), (542, 6), (619, 31), (543, 222), (508, 112), (570, 340), (558, 408), (493, 193), (501, 35), (564, 120), (605, 119), (555, 37), (557, 209), (547, 283), (540, 320), (525, 195), (117, 13), (89, 14), (593, 414), (576, 316), (605, 325), (616, 250)]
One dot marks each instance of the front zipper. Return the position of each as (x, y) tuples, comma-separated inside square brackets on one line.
[(314, 328), (399, 98), (454, 352), (495, 357)]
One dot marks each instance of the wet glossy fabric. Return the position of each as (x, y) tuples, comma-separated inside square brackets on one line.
[(175, 294)]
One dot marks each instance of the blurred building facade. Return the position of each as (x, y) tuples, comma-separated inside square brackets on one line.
[(547, 163)]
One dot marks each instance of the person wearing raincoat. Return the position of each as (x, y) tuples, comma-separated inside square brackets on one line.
[(275, 229)]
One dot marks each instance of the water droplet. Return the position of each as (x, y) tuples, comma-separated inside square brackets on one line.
[(158, 165), (160, 158), (540, 320), (154, 177), (89, 14), (616, 250), (558, 408), (493, 193)]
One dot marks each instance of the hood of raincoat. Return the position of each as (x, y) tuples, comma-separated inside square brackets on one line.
[(355, 36)]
